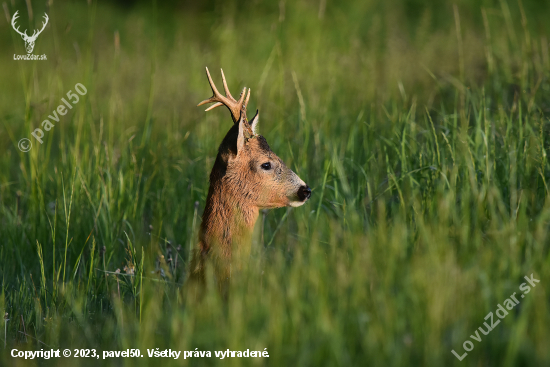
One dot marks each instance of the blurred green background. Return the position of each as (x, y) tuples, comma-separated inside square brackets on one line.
[(421, 126)]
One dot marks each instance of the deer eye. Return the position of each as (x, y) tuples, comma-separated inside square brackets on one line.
[(266, 166)]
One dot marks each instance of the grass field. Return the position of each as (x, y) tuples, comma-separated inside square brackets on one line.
[(422, 128)]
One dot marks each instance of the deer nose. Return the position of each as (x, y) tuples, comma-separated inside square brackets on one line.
[(304, 192)]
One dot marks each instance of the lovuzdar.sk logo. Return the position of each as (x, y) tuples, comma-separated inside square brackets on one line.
[(29, 40)]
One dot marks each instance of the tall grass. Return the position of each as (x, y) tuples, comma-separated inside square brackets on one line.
[(421, 127)]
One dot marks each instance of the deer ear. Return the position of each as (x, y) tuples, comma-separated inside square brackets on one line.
[(254, 123)]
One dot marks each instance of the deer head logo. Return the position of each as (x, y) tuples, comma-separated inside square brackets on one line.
[(29, 40)]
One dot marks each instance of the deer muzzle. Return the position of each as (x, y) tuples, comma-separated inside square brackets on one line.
[(304, 193)]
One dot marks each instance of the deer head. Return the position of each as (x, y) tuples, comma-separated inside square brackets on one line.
[(252, 171), (29, 40)]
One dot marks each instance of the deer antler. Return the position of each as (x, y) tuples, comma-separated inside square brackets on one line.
[(235, 107), (15, 16), (36, 33)]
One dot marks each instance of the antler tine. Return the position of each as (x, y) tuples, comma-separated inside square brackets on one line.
[(217, 97), (44, 24), (247, 99), (241, 97), (213, 106), (226, 88), (13, 19), (243, 103)]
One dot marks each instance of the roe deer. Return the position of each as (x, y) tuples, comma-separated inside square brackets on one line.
[(247, 176)]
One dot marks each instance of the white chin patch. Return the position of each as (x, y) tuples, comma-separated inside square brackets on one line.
[(296, 203)]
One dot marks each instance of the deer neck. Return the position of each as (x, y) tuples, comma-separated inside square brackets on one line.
[(228, 220)]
